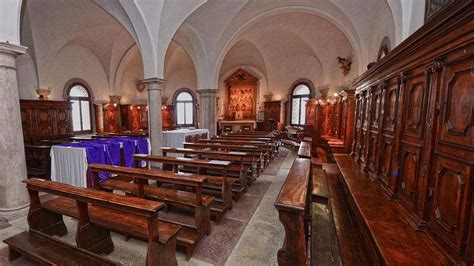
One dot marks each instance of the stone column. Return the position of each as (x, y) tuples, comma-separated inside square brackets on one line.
[(208, 110), (13, 194), (155, 127)]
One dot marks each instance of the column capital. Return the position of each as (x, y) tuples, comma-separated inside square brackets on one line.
[(12, 49), (150, 81), (207, 91)]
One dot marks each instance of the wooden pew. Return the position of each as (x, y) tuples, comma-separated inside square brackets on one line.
[(265, 149), (48, 250), (268, 140), (223, 182), (388, 238), (189, 236), (304, 150), (255, 151), (97, 213), (292, 205), (244, 165)]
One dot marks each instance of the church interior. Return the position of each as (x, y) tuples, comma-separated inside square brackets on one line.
[(237, 132)]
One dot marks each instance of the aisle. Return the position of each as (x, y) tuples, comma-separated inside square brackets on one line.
[(250, 234)]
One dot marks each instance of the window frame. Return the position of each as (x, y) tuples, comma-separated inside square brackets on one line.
[(193, 104), (80, 99), (300, 97)]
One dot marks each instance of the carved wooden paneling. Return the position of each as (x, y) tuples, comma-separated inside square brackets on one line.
[(272, 112), (386, 160), (45, 120), (425, 148), (390, 110), (376, 108), (408, 175), (414, 103), (451, 200), (372, 151), (457, 105)]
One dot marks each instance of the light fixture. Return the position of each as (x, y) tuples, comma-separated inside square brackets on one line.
[(138, 107), (336, 94), (115, 100)]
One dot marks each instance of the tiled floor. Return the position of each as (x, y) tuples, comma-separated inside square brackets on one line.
[(250, 234)]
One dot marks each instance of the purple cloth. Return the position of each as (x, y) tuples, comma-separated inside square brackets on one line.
[(128, 146), (107, 151)]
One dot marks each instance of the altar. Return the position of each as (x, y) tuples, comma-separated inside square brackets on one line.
[(238, 125)]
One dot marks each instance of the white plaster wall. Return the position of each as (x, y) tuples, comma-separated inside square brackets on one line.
[(382, 25), (289, 47), (179, 72), (131, 73), (77, 62)]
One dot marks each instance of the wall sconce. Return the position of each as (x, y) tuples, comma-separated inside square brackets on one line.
[(115, 100), (344, 64), (43, 94), (140, 86), (138, 107)]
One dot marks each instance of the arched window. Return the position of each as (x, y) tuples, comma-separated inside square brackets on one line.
[(80, 100), (184, 108), (299, 96)]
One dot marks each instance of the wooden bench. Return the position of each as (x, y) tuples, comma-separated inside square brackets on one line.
[(189, 235), (319, 186), (97, 213), (49, 250), (244, 164), (292, 204), (264, 147), (254, 151), (387, 236), (304, 150), (222, 183)]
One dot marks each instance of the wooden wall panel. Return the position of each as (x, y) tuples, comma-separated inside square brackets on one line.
[(413, 129), (45, 120)]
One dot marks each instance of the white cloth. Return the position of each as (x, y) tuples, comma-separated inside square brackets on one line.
[(175, 138), (69, 165)]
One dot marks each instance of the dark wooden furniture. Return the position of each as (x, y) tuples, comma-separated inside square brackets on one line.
[(387, 236), (292, 205), (49, 120), (264, 146), (244, 164), (134, 117), (255, 151), (414, 128), (222, 183), (168, 119), (38, 161), (305, 150), (97, 212), (189, 236), (272, 113), (111, 118), (48, 250)]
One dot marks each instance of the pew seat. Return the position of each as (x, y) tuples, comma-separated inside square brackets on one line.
[(304, 150), (168, 196), (387, 236), (48, 250), (97, 212), (125, 223), (319, 186)]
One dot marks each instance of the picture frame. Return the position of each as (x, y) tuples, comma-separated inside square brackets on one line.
[(434, 7)]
